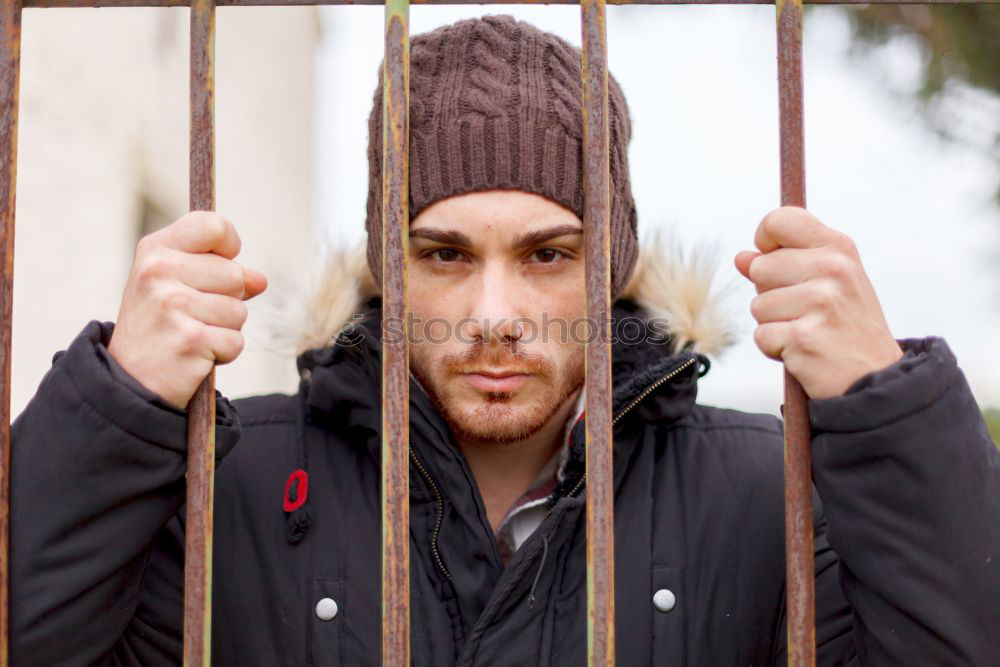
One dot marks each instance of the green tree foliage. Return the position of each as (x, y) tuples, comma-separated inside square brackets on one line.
[(992, 416), (960, 48)]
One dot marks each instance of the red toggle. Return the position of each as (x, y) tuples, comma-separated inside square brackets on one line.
[(301, 490)]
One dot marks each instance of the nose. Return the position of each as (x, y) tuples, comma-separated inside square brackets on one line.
[(493, 318)]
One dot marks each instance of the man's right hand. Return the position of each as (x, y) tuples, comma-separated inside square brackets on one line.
[(184, 305)]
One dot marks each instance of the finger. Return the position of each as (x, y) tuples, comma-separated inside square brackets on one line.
[(785, 303), (771, 338), (214, 309), (790, 227), (742, 261), (202, 231), (254, 282), (784, 267), (208, 272), (225, 344)]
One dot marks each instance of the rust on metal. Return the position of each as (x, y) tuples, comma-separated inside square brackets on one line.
[(800, 574), (259, 3), (201, 414), (395, 351), (10, 72), (597, 235)]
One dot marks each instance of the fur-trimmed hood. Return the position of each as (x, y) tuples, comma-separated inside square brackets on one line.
[(312, 306)]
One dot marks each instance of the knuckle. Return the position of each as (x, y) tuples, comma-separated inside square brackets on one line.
[(757, 307), (842, 240), (212, 224), (152, 265), (824, 295), (239, 342), (756, 268), (173, 299), (192, 337), (769, 221), (146, 244), (799, 335), (230, 346), (836, 265), (240, 313), (762, 338), (233, 276)]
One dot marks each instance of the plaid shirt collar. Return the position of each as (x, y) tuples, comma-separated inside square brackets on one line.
[(530, 509)]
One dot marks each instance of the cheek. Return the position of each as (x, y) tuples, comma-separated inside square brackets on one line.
[(564, 297)]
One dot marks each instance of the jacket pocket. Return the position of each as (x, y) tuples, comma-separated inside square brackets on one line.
[(325, 621), (666, 604)]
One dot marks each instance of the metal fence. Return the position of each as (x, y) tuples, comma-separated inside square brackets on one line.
[(395, 388)]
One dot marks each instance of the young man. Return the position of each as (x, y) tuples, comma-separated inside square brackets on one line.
[(907, 529)]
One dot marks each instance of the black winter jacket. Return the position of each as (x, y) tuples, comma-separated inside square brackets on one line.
[(907, 534)]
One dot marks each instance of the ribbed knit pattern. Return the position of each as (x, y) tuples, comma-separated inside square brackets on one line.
[(496, 103)]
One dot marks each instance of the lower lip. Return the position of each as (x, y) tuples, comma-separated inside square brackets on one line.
[(490, 383)]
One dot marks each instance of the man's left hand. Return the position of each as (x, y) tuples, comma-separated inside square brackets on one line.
[(815, 307)]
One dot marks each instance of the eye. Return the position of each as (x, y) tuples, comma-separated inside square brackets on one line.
[(445, 254), (546, 255)]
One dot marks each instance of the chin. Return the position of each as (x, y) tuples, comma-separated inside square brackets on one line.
[(497, 418)]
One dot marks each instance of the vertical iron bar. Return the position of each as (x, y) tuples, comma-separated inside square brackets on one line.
[(800, 575), (597, 222), (10, 72), (395, 352), (201, 416)]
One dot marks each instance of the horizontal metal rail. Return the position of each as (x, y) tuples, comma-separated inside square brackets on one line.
[(291, 3)]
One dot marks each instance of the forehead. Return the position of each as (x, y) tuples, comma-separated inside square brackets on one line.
[(495, 211)]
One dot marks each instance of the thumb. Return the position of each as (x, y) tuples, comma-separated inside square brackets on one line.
[(254, 282), (742, 261)]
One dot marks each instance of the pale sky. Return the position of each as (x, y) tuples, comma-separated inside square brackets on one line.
[(702, 91)]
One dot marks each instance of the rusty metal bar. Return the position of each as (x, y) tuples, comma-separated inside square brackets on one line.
[(201, 415), (259, 3), (597, 236), (799, 572), (10, 72), (395, 351)]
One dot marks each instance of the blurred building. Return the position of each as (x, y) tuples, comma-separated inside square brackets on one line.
[(103, 159)]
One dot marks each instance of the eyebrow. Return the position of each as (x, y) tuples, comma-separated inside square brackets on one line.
[(526, 240), (537, 236), (447, 236)]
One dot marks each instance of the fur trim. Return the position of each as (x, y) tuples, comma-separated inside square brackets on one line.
[(310, 308), (680, 288)]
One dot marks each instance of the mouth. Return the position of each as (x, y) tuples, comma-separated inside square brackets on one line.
[(496, 381)]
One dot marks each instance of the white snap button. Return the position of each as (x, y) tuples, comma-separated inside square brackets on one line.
[(664, 600), (326, 609)]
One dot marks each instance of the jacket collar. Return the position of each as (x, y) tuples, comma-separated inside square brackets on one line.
[(344, 381), (333, 325)]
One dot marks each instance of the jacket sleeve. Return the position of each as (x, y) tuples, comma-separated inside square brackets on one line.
[(910, 486), (97, 477)]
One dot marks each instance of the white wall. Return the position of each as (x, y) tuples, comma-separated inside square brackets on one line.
[(104, 125)]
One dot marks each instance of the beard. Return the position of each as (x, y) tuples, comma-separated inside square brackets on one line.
[(498, 417)]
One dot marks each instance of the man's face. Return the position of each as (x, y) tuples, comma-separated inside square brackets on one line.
[(489, 270)]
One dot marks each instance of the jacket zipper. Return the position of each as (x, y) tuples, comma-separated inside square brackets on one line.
[(439, 500), (635, 401), (439, 515)]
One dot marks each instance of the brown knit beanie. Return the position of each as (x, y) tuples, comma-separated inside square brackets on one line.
[(496, 103)]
